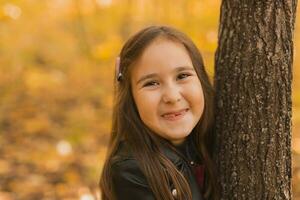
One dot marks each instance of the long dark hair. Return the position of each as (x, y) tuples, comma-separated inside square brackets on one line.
[(127, 125)]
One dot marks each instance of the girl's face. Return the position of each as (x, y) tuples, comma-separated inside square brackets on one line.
[(167, 90)]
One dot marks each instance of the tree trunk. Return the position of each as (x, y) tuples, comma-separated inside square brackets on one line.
[(253, 75)]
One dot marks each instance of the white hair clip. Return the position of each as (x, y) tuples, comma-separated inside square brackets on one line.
[(118, 72)]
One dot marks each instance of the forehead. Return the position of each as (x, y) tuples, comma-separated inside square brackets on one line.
[(162, 54)]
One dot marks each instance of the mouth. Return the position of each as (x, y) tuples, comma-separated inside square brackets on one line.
[(172, 116)]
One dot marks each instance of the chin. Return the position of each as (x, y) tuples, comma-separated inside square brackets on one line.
[(179, 136)]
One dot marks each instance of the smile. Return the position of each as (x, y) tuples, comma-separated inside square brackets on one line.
[(175, 115)]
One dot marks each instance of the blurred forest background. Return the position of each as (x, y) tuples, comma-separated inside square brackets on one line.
[(56, 74)]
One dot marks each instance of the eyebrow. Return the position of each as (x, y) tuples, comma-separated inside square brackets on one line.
[(177, 69)]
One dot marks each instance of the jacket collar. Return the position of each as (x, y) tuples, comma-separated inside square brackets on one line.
[(176, 154), (184, 152)]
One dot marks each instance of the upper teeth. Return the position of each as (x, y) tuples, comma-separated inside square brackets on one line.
[(169, 115), (173, 114)]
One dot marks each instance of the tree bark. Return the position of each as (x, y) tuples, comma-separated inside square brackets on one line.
[(253, 75)]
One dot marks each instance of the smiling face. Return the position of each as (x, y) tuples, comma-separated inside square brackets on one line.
[(167, 90)]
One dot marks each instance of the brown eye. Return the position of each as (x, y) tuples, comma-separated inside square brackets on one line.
[(183, 75), (150, 83)]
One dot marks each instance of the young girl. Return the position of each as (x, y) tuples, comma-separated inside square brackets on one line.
[(161, 140)]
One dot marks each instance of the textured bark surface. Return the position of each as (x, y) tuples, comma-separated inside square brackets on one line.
[(253, 82)]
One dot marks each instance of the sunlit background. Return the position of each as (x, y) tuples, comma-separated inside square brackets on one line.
[(56, 74)]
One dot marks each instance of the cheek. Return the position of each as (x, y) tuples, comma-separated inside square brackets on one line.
[(195, 94), (146, 104)]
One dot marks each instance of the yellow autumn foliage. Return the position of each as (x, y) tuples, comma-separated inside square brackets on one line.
[(56, 86)]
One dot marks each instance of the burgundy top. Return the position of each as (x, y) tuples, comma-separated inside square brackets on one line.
[(199, 173), (198, 169)]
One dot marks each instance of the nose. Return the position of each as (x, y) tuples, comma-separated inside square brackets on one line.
[(171, 94)]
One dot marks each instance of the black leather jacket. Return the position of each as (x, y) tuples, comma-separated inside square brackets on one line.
[(129, 183)]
